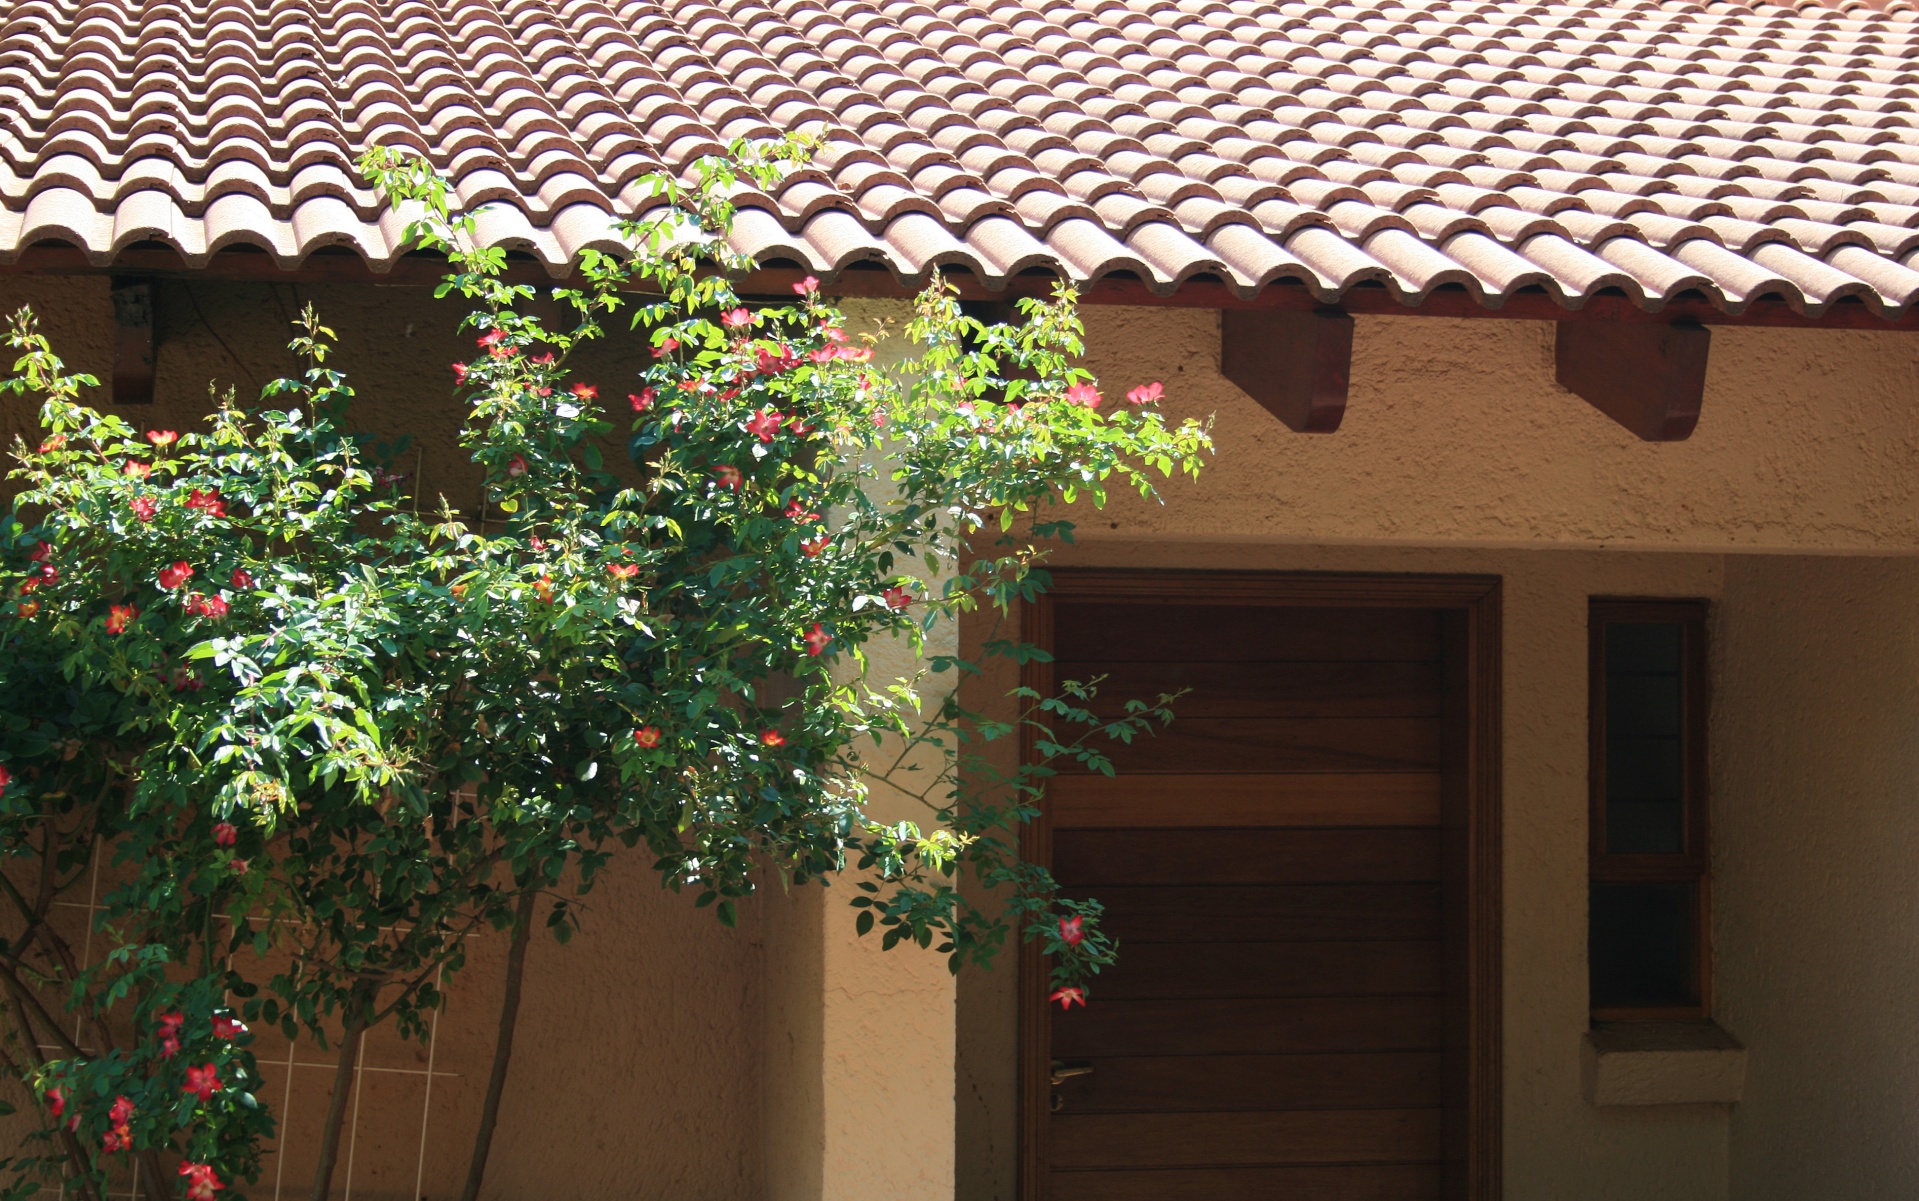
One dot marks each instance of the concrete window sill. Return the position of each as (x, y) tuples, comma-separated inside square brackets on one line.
[(1662, 1063)]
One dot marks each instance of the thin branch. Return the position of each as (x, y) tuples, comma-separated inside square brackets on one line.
[(24, 995)]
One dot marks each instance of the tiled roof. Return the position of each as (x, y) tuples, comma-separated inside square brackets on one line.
[(1653, 148)]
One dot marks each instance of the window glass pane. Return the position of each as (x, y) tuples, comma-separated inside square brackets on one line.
[(1640, 945), (1645, 748), (1643, 649), (1642, 706), (1645, 812)]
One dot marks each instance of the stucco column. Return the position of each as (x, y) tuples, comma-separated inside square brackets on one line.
[(861, 1043)]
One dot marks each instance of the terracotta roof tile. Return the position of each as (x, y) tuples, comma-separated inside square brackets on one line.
[(1735, 149)]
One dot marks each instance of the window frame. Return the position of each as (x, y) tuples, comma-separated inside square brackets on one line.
[(1691, 866)]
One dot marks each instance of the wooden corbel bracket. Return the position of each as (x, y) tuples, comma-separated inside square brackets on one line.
[(132, 341), (1296, 364), (1648, 378)]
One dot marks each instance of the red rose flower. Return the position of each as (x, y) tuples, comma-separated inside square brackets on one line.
[(120, 1138), (212, 607), (1070, 931), (642, 400), (807, 286), (121, 1113), (144, 507), (57, 1101), (208, 501), (764, 425), (817, 639), (6, 778), (799, 512), (176, 576), (162, 437), (228, 1028), (623, 571), (1067, 996), (459, 373), (29, 607), (516, 466), (138, 470), (242, 578), (773, 364), (1083, 394), (201, 1181), (897, 597), (240, 867), (225, 834), (824, 354), (729, 477), (772, 738), (1146, 394), (52, 444), (736, 318), (586, 391), (856, 354), (833, 333), (491, 338), (647, 736), (813, 546), (543, 588), (666, 347), (119, 617), (42, 553)]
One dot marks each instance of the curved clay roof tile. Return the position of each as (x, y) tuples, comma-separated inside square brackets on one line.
[(1564, 146)]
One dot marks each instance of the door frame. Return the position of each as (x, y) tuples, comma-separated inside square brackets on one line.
[(1471, 813)]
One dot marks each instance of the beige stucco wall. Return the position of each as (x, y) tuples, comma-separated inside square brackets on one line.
[(1456, 431), (1817, 913), (748, 1064)]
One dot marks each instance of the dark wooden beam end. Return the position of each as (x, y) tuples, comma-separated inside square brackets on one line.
[(1295, 363), (132, 341), (1648, 378)]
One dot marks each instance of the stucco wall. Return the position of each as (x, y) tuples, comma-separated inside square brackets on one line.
[(1456, 431), (1459, 453), (664, 1057), (1817, 920)]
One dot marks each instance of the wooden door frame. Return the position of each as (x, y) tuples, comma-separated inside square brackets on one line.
[(1470, 606)]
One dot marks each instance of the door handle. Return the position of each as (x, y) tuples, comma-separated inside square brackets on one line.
[(1066, 1069)]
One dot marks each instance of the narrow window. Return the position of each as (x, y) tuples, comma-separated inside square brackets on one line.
[(1647, 947)]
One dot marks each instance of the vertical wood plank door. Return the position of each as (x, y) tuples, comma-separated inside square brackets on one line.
[(1275, 866)]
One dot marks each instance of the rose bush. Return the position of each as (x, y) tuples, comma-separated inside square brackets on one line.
[(319, 723)]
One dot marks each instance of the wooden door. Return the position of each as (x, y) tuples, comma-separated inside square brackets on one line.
[(1277, 867)]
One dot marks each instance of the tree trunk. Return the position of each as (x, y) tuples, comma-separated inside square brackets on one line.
[(30, 1047), (356, 1019), (503, 1048)]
